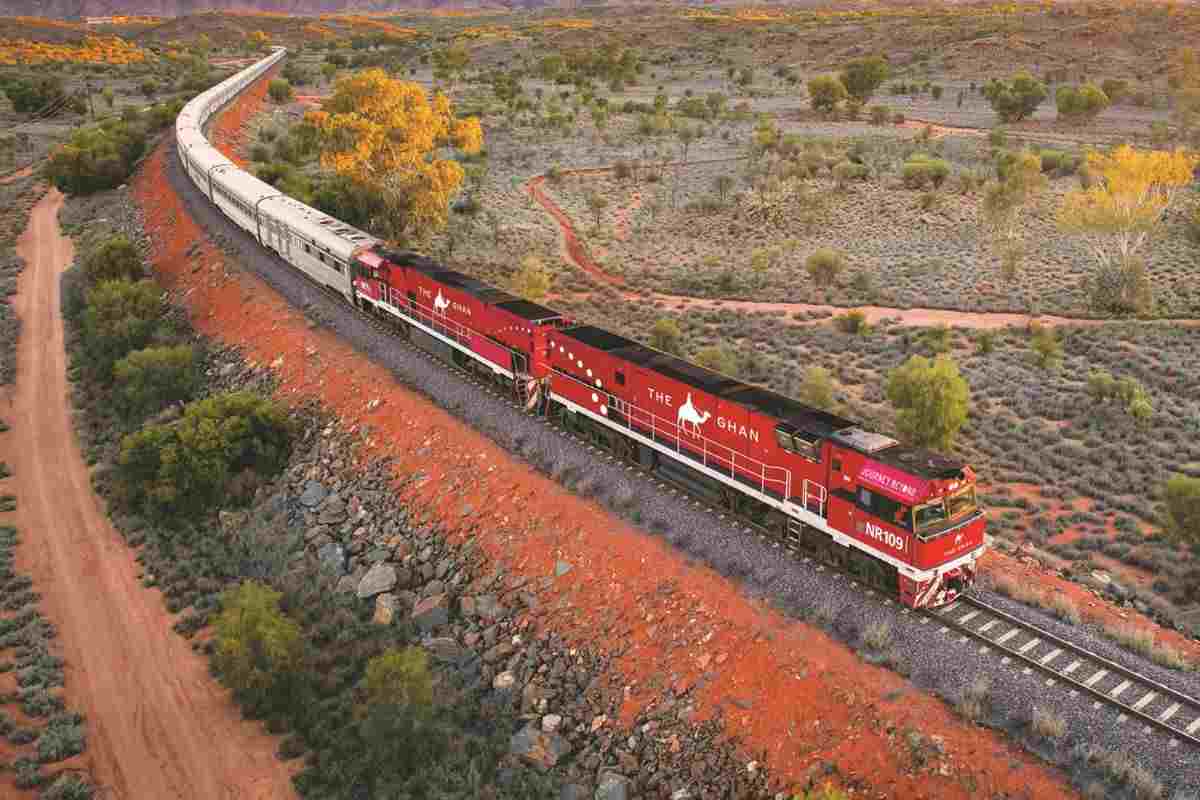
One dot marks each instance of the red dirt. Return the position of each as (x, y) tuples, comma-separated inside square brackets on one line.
[(23, 172), (662, 618), (158, 725)]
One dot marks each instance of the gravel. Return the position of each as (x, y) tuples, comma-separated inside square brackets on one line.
[(936, 661)]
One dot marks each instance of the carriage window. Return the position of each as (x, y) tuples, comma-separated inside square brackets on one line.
[(891, 511), (810, 449), (620, 378)]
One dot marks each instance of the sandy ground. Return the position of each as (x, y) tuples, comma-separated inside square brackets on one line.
[(158, 725)]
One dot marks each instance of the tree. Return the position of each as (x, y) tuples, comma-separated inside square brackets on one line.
[(817, 388), (1182, 496), (931, 400), (1080, 104), (328, 70), (258, 647), (825, 92), (1016, 99), (687, 134), (151, 378), (862, 76), (723, 184), (716, 103), (119, 317), (1004, 201), (718, 358), (1116, 217), (533, 280), (115, 258), (824, 266), (385, 135), (280, 90), (109, 96), (34, 94), (666, 336), (189, 466), (597, 203), (257, 40)]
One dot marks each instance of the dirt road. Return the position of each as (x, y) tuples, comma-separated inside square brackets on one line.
[(158, 725)]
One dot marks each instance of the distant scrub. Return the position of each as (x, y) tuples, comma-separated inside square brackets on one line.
[(102, 156)]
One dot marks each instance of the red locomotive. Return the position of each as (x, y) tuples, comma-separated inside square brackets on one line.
[(901, 519)]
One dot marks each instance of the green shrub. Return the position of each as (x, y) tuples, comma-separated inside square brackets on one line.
[(1115, 89), (852, 322), (1080, 103), (62, 738), (1016, 99), (119, 317), (258, 647), (68, 786), (35, 94), (826, 92), (718, 358), (846, 171), (280, 90), (102, 156), (880, 115), (1060, 162), (921, 170), (931, 400), (116, 258), (212, 456), (151, 378), (862, 76), (817, 388), (824, 266), (1182, 495), (1046, 347)]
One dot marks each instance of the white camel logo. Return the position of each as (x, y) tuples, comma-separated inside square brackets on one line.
[(688, 413), (440, 304)]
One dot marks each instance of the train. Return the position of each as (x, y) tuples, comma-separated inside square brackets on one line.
[(898, 518)]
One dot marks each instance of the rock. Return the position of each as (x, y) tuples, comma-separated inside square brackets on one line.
[(385, 608), (380, 578), (573, 791), (682, 794), (504, 681), (332, 558), (231, 521), (598, 722), (498, 653), (488, 607), (551, 723), (612, 787), (431, 612), (561, 568), (313, 494), (444, 648), (538, 748), (345, 585), (376, 555)]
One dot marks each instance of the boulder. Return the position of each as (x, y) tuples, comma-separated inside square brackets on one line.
[(380, 578), (431, 612), (504, 681), (612, 787), (538, 748), (313, 494), (551, 723), (445, 648), (385, 608), (231, 521), (332, 558), (573, 791)]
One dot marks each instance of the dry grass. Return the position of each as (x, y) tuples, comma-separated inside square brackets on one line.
[(878, 636), (976, 699), (1064, 608), (1141, 641), (1047, 724)]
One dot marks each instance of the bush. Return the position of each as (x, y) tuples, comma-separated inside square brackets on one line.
[(878, 636), (35, 94), (1016, 99), (931, 400), (824, 266), (280, 90), (1046, 347), (898, 118), (119, 317), (115, 258), (188, 466), (68, 787), (1182, 496), (846, 171), (817, 388), (1115, 89), (1082, 103), (862, 76), (921, 171), (1059, 162), (154, 377), (258, 648), (666, 336), (852, 322), (976, 699), (62, 738), (880, 115), (826, 92), (718, 358), (102, 156), (1062, 607)]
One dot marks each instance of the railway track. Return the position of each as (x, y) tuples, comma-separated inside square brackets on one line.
[(1137, 698)]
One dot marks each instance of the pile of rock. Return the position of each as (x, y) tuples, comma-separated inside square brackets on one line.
[(478, 622)]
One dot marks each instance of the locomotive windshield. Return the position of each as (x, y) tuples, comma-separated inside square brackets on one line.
[(931, 518)]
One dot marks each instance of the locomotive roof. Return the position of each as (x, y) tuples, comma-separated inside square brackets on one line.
[(802, 417), (922, 463), (518, 306)]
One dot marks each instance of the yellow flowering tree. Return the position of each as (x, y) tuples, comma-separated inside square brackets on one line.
[(1118, 215), (385, 135)]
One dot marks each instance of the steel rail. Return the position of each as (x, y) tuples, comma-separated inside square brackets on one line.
[(944, 615)]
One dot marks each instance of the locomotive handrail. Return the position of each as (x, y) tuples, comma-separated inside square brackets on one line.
[(709, 451)]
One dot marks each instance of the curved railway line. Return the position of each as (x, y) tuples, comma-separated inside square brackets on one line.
[(1085, 674)]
